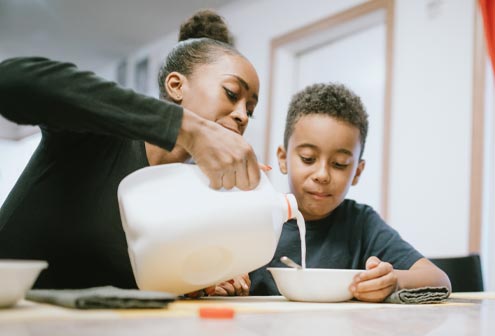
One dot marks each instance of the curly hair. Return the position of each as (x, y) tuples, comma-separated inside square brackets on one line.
[(203, 38), (332, 99)]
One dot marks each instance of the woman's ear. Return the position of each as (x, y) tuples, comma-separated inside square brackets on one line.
[(359, 171), (282, 159), (174, 84)]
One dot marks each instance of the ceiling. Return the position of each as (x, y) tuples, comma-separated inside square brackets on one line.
[(90, 33)]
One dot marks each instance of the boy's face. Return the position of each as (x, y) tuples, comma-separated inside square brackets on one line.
[(322, 160)]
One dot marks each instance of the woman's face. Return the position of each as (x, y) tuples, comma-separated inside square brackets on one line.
[(225, 91)]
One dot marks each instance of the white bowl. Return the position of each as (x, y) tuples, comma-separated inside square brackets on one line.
[(314, 284), (16, 278)]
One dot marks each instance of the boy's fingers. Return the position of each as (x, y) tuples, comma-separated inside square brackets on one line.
[(372, 262), (374, 296), (376, 272), (247, 279), (244, 287), (237, 288), (244, 284), (264, 167), (210, 290), (376, 284), (228, 287), (195, 295), (220, 291)]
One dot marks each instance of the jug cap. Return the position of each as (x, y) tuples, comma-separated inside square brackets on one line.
[(291, 201)]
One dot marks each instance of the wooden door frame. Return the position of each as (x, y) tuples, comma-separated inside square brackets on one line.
[(477, 135)]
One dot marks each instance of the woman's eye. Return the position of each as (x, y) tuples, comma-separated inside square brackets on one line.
[(307, 160), (231, 95)]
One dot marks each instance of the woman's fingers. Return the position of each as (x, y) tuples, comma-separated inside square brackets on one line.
[(228, 166)]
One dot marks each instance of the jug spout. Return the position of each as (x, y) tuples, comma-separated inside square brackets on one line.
[(289, 212), (291, 201)]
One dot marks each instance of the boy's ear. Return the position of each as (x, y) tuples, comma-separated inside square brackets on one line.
[(359, 171), (282, 159), (174, 84)]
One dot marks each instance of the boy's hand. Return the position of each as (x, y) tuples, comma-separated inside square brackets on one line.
[(239, 286), (376, 283)]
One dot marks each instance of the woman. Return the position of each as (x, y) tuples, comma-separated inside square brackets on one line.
[(64, 207)]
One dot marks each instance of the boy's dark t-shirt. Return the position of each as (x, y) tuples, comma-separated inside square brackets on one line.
[(344, 239)]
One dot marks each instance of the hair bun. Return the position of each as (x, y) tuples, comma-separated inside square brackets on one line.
[(205, 23)]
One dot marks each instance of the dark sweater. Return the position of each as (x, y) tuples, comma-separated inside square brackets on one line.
[(344, 239), (64, 208)]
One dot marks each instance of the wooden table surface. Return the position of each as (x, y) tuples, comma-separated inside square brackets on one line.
[(463, 314)]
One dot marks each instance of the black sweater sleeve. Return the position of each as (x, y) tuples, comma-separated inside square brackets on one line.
[(58, 96)]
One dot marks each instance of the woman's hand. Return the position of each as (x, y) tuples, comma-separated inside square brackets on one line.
[(239, 286), (223, 155), (376, 283)]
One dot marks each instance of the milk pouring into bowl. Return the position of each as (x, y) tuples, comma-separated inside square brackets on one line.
[(302, 233), (183, 236)]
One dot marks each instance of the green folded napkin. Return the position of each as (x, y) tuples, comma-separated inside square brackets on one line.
[(419, 295), (107, 297)]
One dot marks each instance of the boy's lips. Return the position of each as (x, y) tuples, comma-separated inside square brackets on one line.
[(319, 195)]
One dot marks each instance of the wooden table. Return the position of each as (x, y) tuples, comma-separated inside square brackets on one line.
[(463, 314)]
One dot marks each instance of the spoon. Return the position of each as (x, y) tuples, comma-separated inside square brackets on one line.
[(289, 262)]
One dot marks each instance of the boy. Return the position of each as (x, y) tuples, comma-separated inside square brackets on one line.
[(324, 139)]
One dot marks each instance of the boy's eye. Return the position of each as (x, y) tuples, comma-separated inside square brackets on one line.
[(307, 159), (231, 95), (340, 165)]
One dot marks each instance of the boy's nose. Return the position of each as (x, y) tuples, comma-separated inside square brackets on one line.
[(322, 174)]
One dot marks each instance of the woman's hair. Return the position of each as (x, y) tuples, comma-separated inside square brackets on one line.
[(203, 38), (333, 100)]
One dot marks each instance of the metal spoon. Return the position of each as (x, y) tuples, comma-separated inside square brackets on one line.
[(289, 262)]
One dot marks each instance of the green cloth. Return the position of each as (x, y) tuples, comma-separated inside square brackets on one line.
[(107, 297), (421, 295)]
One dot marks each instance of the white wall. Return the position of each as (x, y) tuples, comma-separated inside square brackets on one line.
[(431, 107), (431, 125), (14, 157)]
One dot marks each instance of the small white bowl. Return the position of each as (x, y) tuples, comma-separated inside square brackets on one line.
[(314, 284), (16, 278)]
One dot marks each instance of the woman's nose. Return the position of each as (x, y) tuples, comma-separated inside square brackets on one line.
[(240, 115)]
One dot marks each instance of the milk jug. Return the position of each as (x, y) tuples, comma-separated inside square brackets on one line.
[(184, 236)]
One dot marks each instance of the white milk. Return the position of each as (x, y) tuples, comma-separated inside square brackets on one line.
[(184, 236), (302, 233)]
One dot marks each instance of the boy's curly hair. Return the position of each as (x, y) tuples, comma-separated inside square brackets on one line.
[(331, 99)]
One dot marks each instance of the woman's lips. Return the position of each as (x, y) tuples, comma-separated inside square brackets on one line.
[(235, 130)]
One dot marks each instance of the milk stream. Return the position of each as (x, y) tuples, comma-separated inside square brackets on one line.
[(302, 234)]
